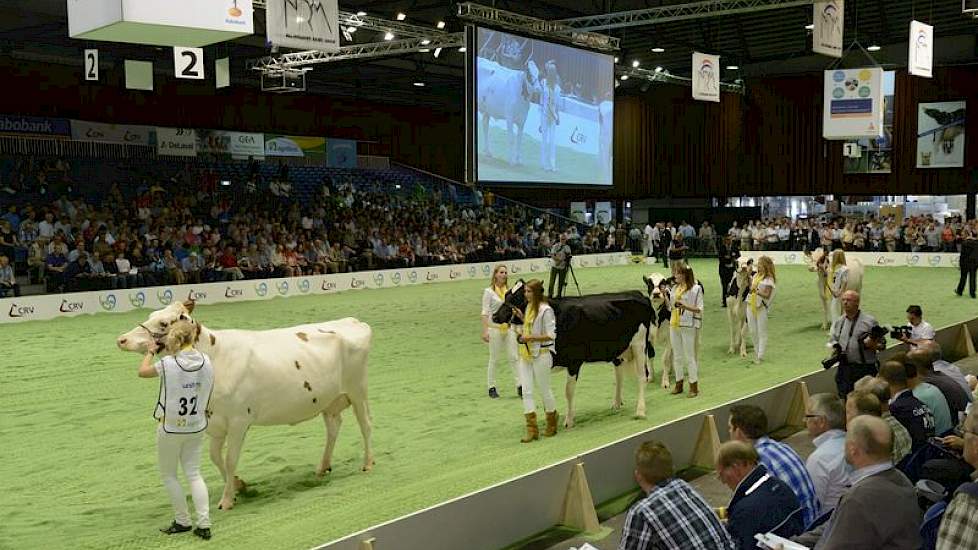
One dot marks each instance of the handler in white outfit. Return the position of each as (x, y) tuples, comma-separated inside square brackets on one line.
[(549, 117), (185, 388), (759, 303), (687, 318), (837, 280), (537, 342), (501, 339)]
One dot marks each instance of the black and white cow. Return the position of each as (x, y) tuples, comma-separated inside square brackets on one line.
[(610, 327), (660, 296)]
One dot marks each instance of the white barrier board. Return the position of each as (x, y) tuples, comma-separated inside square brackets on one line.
[(50, 306), (869, 259)]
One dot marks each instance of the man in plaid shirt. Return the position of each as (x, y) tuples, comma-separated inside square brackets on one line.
[(749, 424), (958, 527), (673, 515)]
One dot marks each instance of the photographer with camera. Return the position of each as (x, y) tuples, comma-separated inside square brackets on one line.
[(561, 256), (918, 331), (856, 339)]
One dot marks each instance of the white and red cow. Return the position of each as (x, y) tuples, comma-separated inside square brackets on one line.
[(506, 94), (274, 377), (818, 263), (737, 292)]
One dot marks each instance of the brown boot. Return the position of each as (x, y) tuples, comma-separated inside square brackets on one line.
[(532, 431), (694, 389), (551, 424), (678, 389)]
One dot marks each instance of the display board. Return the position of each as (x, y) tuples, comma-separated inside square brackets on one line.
[(539, 112), (940, 134), (853, 105)]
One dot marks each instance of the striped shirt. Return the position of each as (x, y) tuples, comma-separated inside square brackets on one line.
[(783, 462), (673, 516)]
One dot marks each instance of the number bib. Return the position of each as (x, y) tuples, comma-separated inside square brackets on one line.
[(186, 380)]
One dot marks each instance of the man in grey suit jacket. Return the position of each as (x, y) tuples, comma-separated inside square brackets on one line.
[(880, 508)]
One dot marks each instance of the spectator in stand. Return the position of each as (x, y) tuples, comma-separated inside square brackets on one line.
[(78, 275), (54, 269), (672, 514), (880, 508), (968, 262), (957, 398), (126, 270), (761, 502), (930, 396), (872, 396), (958, 528), (948, 369), (8, 240), (905, 407), (173, 268), (748, 423), (229, 264), (8, 282), (46, 227), (826, 423)]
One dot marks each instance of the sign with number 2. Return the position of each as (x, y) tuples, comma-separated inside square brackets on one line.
[(188, 62)]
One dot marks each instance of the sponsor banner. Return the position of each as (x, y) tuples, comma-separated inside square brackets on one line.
[(341, 153), (706, 77), (869, 259), (940, 134), (920, 61), (236, 144), (294, 146), (303, 25), (128, 134), (35, 126), (116, 20), (827, 16), (177, 142), (32, 308), (853, 105)]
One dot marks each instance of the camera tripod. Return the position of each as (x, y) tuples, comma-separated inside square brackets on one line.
[(570, 268)]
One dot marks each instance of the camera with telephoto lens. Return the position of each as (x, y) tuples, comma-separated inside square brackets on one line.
[(837, 358), (901, 332)]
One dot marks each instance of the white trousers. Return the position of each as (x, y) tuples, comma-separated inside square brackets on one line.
[(537, 371), (183, 450), (502, 348), (757, 326), (548, 149), (835, 310), (683, 341)]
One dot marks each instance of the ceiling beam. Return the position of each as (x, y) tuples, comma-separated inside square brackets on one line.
[(494, 17), (676, 12), (357, 51)]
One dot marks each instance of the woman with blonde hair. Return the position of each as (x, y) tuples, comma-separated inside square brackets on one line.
[(501, 340), (837, 282), (186, 379), (687, 317), (537, 343), (758, 303)]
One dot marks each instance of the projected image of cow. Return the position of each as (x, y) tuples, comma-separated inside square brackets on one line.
[(544, 112)]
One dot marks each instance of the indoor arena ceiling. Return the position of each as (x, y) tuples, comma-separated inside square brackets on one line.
[(764, 43)]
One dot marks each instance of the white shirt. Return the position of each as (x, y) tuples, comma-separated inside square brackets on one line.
[(45, 229), (491, 302), (692, 298), (828, 468), (186, 380), (923, 331), (545, 323)]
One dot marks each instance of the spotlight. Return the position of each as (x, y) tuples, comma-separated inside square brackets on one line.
[(874, 48), (361, 13), (351, 30), (440, 25), (388, 35), (419, 84), (462, 49), (226, 183), (624, 77), (658, 50), (732, 67), (437, 52), (658, 69), (810, 27), (401, 16), (635, 63), (425, 42), (616, 59)]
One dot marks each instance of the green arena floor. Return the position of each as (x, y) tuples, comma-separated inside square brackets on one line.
[(78, 459)]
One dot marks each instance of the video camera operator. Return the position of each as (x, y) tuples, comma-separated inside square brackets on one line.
[(918, 331), (856, 339), (561, 256)]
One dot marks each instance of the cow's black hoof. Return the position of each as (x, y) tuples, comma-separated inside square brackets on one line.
[(519, 391), (493, 394)]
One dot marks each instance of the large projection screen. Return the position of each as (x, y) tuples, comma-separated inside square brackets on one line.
[(540, 113)]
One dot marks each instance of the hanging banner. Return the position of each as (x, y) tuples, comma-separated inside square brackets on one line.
[(112, 133), (305, 25), (940, 134), (853, 104), (920, 61), (706, 77), (237, 144), (875, 155), (34, 126), (602, 213), (170, 23), (341, 153), (294, 146), (578, 211), (827, 15), (176, 142)]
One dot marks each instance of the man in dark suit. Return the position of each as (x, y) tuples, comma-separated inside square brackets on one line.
[(880, 509), (761, 503), (665, 240), (968, 262), (728, 254), (907, 409)]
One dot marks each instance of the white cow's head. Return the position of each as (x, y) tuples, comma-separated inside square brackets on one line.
[(745, 266), (155, 327), (657, 286)]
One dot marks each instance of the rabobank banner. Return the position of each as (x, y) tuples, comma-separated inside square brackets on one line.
[(869, 259), (295, 146), (176, 142), (35, 126), (36, 308), (341, 153)]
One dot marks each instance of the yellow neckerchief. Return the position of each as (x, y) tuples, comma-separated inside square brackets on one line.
[(753, 293), (680, 292), (531, 315), (501, 292)]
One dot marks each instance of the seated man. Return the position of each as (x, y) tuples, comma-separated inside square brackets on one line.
[(78, 274), (920, 331), (905, 407), (8, 283), (865, 399), (826, 423), (957, 398), (880, 509), (958, 527), (54, 267), (930, 396), (749, 424), (948, 369), (761, 503), (673, 514)]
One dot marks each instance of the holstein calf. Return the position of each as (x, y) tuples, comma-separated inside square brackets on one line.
[(600, 327), (737, 292), (273, 377)]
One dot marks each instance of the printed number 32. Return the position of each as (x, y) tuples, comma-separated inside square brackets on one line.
[(184, 403)]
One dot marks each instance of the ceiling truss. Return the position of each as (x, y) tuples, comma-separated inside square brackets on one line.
[(676, 12)]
